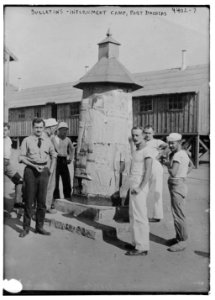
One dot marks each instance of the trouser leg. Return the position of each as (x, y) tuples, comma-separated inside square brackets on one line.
[(139, 220), (57, 179), (41, 198), (178, 201), (157, 188), (50, 189), (65, 175), (30, 180)]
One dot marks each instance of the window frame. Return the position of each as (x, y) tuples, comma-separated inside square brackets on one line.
[(143, 101)]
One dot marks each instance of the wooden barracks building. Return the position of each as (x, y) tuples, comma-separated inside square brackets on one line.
[(173, 100)]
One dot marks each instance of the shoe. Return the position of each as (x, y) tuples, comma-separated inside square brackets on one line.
[(180, 246), (24, 233), (129, 247), (136, 252), (154, 220), (172, 242), (19, 205), (13, 215), (42, 231), (51, 211)]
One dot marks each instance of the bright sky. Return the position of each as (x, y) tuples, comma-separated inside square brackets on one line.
[(55, 48)]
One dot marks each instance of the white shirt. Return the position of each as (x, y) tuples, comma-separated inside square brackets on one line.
[(154, 144), (7, 147), (137, 162), (182, 158)]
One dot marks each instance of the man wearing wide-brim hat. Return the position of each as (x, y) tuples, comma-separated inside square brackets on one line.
[(179, 165), (65, 156), (50, 128)]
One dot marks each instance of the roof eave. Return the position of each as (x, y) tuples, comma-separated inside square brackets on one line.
[(134, 86)]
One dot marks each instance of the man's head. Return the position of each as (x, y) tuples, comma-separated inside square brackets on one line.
[(6, 129), (50, 126), (62, 130), (38, 125), (174, 140), (148, 132), (137, 135)]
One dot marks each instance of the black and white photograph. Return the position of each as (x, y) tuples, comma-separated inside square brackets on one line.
[(106, 144)]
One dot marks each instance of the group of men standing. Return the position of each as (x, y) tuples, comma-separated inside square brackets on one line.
[(146, 173), (46, 156)]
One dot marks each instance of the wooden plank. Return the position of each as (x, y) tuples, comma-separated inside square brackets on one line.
[(203, 145), (197, 151), (191, 112), (154, 105), (186, 114), (180, 122)]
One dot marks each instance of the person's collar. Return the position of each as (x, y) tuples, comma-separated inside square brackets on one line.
[(41, 137)]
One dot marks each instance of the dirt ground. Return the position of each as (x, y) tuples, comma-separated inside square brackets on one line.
[(69, 263)]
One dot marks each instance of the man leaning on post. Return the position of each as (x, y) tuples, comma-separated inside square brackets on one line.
[(35, 152)]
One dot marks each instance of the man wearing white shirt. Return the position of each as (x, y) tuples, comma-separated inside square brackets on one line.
[(140, 172), (179, 165), (9, 169), (156, 180)]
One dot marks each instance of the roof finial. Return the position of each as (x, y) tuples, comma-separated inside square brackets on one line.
[(109, 33)]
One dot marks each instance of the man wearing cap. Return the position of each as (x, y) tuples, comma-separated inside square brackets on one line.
[(156, 180), (65, 156), (35, 152), (179, 166), (50, 128)]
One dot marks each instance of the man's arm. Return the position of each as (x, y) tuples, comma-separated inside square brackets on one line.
[(53, 155), (174, 169), (190, 166), (146, 176), (71, 151)]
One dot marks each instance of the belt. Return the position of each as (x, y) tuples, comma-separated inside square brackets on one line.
[(39, 164), (61, 156)]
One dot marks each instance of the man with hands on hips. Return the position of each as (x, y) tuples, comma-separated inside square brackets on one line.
[(35, 152)]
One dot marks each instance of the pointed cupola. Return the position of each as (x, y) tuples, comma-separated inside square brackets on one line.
[(108, 69), (108, 47)]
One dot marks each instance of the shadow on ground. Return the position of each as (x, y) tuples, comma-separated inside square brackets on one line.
[(110, 234), (202, 254)]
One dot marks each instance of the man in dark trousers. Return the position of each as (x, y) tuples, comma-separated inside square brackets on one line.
[(65, 156), (35, 152)]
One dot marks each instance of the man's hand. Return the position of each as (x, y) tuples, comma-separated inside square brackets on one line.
[(135, 191), (39, 168), (165, 162)]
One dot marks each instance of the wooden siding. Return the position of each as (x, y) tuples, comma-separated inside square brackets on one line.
[(24, 128), (204, 111), (163, 119), (29, 113)]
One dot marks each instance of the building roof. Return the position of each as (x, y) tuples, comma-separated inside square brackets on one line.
[(172, 80), (154, 82), (108, 70), (58, 93)]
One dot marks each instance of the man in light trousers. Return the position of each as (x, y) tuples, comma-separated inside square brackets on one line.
[(156, 180), (179, 165), (140, 173), (50, 128)]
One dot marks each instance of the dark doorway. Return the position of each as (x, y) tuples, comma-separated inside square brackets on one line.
[(54, 111)]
